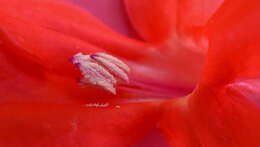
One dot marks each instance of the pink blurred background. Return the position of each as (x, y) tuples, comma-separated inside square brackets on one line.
[(110, 12)]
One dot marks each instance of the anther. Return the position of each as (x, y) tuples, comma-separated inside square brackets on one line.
[(114, 60), (113, 68), (101, 70)]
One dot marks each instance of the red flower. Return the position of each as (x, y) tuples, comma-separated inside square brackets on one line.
[(43, 105)]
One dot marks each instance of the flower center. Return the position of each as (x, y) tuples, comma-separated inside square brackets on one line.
[(101, 70)]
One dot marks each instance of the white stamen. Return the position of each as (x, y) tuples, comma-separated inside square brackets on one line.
[(101, 69), (114, 60), (113, 68)]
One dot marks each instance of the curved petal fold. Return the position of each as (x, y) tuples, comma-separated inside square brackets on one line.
[(233, 43), (175, 28), (224, 109), (159, 21), (68, 20), (48, 48), (226, 116)]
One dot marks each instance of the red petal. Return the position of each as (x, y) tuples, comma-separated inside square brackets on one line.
[(194, 14), (158, 20), (152, 18), (232, 114), (67, 20), (226, 117), (224, 110), (47, 47), (176, 124), (75, 125), (234, 43)]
